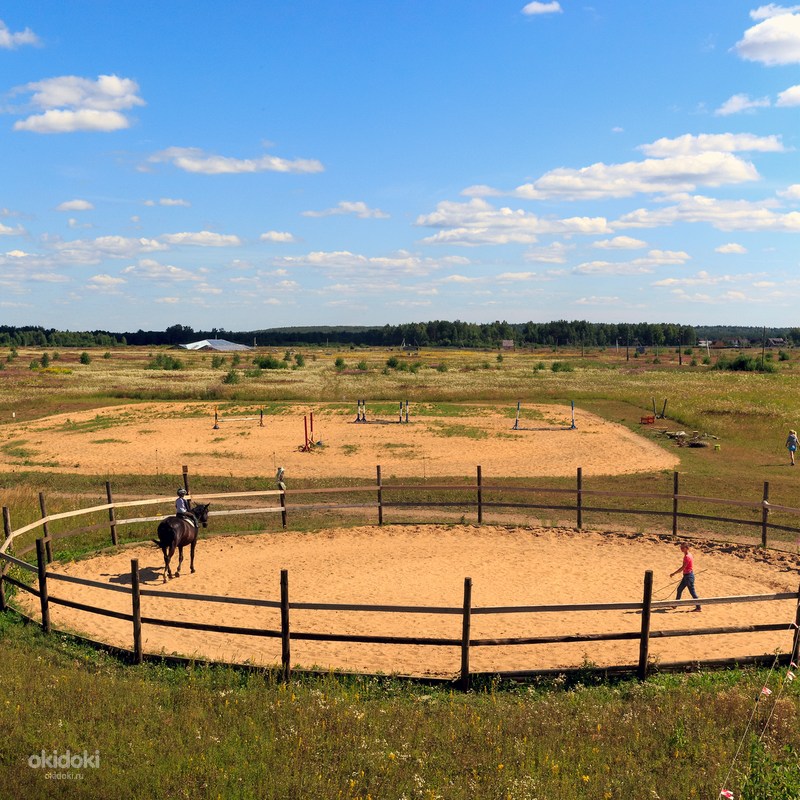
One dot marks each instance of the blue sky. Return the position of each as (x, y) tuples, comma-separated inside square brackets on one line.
[(260, 164)]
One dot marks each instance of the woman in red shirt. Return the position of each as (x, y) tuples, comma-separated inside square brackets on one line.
[(687, 581)]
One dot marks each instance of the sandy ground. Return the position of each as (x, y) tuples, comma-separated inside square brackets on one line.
[(161, 437), (426, 565)]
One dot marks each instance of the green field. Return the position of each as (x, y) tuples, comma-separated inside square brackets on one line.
[(198, 732)]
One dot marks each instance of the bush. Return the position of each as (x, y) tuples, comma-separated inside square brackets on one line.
[(562, 366), (232, 376), (392, 362), (85, 358), (362, 366), (106, 354), (743, 363), (783, 355), (269, 362), (35, 364), (164, 361), (299, 359), (44, 360), (339, 364), (217, 361), (442, 368)]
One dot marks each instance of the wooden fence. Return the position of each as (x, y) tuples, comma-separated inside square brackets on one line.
[(644, 634)]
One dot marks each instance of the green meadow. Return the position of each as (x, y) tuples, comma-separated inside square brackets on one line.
[(218, 732)]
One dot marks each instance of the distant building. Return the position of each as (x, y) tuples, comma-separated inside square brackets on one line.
[(507, 344), (776, 342), (221, 345)]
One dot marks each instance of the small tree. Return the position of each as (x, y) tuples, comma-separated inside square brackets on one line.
[(339, 364), (44, 360), (299, 359), (85, 358)]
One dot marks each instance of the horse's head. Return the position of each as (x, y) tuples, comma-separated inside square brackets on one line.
[(201, 513)]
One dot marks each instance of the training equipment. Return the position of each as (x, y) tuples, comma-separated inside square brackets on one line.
[(361, 414), (234, 418), (517, 427)]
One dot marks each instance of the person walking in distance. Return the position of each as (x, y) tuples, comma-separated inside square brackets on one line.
[(791, 445), (687, 581)]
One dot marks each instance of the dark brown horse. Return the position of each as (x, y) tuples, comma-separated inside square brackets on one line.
[(178, 532)]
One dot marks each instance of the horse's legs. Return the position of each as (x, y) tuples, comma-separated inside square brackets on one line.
[(191, 554), (180, 561), (168, 551)]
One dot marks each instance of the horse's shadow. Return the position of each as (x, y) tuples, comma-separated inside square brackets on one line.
[(146, 575)]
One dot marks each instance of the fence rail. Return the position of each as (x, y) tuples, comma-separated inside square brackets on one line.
[(476, 498)]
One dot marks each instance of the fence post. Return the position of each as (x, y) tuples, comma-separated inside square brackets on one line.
[(644, 642), (765, 515), (286, 660), (579, 497), (283, 507), (186, 478), (480, 496), (48, 547), (674, 503), (380, 494), (41, 562), (136, 607), (465, 630), (6, 523), (3, 567), (794, 653), (111, 515)]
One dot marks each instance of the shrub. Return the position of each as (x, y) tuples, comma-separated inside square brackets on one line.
[(35, 364), (299, 359), (106, 354), (85, 358), (56, 356), (562, 366), (217, 361), (269, 362), (442, 368), (232, 376), (236, 359), (164, 361), (362, 365), (783, 355), (392, 362), (743, 363), (44, 360), (339, 364), (540, 366)]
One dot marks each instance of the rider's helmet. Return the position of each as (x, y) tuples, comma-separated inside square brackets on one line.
[(182, 492)]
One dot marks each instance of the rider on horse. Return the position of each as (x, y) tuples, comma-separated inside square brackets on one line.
[(183, 507)]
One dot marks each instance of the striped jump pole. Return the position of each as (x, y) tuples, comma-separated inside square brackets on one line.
[(516, 421), (573, 426)]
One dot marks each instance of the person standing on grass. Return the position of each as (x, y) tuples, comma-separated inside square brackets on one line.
[(791, 445), (687, 581)]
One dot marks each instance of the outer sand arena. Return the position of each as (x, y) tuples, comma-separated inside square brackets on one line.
[(160, 437), (426, 565)]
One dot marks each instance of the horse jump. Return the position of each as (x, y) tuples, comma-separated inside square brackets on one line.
[(517, 427), (234, 418), (361, 414)]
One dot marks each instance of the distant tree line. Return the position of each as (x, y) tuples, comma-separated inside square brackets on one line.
[(436, 333)]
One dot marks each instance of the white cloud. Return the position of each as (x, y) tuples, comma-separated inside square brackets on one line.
[(774, 41), (92, 251), (702, 278), (169, 202), (689, 144), (680, 173), (281, 237), (515, 277), (789, 97), (402, 262), (598, 301), (477, 222), (5, 230), (741, 103), (638, 266), (71, 103), (202, 239), (620, 243), (105, 283), (148, 269), (75, 205), (725, 215), (731, 248), (358, 208), (10, 40), (553, 253), (193, 159), (772, 10), (170, 301), (536, 8), (791, 192)]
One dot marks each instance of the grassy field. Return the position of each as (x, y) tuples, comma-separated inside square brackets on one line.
[(200, 732)]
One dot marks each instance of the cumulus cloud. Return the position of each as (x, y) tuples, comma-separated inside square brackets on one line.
[(553, 253), (280, 237), (92, 251), (536, 8), (358, 209), (731, 248), (791, 192), (725, 215), (689, 144), (773, 41), (70, 103), (478, 222), (789, 97), (106, 284), (193, 159), (6, 230), (740, 104), (151, 270), (772, 10), (75, 205), (637, 266), (680, 173), (202, 239), (620, 243), (401, 262), (10, 40)]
